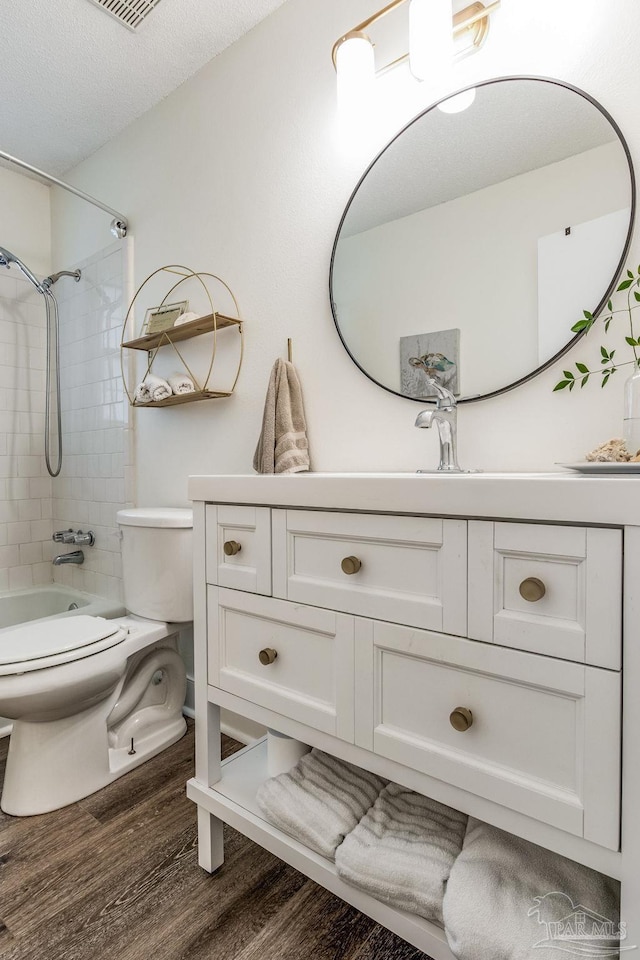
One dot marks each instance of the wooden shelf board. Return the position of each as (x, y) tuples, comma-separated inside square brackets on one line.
[(184, 331), (184, 398), (233, 800)]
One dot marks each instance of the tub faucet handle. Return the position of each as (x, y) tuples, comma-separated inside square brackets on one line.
[(64, 536), (84, 539), (75, 536)]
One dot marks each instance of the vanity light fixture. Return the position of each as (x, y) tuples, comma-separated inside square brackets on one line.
[(355, 70), (429, 48)]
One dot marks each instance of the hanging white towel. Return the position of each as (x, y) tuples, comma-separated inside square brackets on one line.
[(283, 446), (509, 899), (181, 383), (403, 850), (319, 801)]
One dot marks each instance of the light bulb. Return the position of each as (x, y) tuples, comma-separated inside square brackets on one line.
[(355, 68), (430, 38), (459, 102)]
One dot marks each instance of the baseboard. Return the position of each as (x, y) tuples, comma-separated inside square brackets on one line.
[(189, 699), (233, 725), (239, 728)]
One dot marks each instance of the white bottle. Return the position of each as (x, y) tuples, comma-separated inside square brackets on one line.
[(632, 413)]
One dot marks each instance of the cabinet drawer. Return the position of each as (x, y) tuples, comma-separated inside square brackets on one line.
[(410, 570), (311, 677), (239, 547), (544, 734), (549, 589)]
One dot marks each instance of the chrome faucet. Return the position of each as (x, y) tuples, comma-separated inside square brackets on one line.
[(76, 556), (445, 416), (76, 537)]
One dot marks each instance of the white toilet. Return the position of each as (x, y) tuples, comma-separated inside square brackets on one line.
[(92, 698)]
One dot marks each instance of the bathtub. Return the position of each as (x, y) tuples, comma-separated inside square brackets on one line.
[(50, 602)]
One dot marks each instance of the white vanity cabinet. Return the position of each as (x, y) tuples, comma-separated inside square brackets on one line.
[(409, 570), (294, 660), (535, 734), (551, 589), (470, 654)]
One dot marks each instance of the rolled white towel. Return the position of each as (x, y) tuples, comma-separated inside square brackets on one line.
[(186, 318), (319, 801), (142, 393), (181, 383), (403, 850), (152, 388)]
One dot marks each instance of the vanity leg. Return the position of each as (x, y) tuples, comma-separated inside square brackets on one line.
[(208, 753), (208, 771), (210, 841)]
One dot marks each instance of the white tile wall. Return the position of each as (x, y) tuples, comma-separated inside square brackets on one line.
[(25, 487), (97, 476)]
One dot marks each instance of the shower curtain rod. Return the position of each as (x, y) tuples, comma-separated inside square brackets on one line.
[(119, 224)]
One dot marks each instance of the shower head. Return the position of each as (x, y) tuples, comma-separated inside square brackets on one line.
[(7, 258), (48, 282)]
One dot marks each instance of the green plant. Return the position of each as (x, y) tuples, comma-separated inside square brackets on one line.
[(607, 364)]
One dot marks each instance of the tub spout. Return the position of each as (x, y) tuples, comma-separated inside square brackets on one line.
[(76, 556)]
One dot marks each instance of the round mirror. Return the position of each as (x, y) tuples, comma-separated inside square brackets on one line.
[(476, 239)]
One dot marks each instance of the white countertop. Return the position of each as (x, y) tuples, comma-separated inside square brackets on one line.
[(551, 497)]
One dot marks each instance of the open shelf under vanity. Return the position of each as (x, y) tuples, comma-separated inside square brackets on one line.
[(233, 800)]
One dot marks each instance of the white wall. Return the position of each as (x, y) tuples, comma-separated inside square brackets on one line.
[(240, 172), (26, 220), (96, 478), (25, 488)]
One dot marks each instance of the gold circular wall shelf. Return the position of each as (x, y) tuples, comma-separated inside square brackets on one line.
[(151, 343)]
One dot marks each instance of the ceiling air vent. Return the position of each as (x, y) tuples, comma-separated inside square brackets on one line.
[(131, 13)]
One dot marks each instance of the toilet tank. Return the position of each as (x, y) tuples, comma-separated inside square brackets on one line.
[(157, 562)]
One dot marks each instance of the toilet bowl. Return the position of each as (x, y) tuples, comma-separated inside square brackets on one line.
[(90, 698)]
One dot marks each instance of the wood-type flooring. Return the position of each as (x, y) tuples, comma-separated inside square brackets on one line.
[(116, 877)]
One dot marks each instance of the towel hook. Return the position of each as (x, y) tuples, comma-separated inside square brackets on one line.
[(289, 350)]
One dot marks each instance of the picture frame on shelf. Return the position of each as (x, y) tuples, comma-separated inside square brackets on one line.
[(157, 319)]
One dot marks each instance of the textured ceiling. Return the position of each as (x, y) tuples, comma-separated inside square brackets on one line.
[(513, 127), (72, 77)]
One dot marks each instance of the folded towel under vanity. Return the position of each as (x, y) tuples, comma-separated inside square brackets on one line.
[(403, 850), (283, 446), (152, 388), (181, 383), (505, 894), (319, 801)]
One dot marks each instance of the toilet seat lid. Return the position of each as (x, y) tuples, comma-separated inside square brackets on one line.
[(63, 635)]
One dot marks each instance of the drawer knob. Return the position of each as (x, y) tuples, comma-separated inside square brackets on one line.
[(350, 565), (267, 656), (461, 719), (532, 589), (231, 547)]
